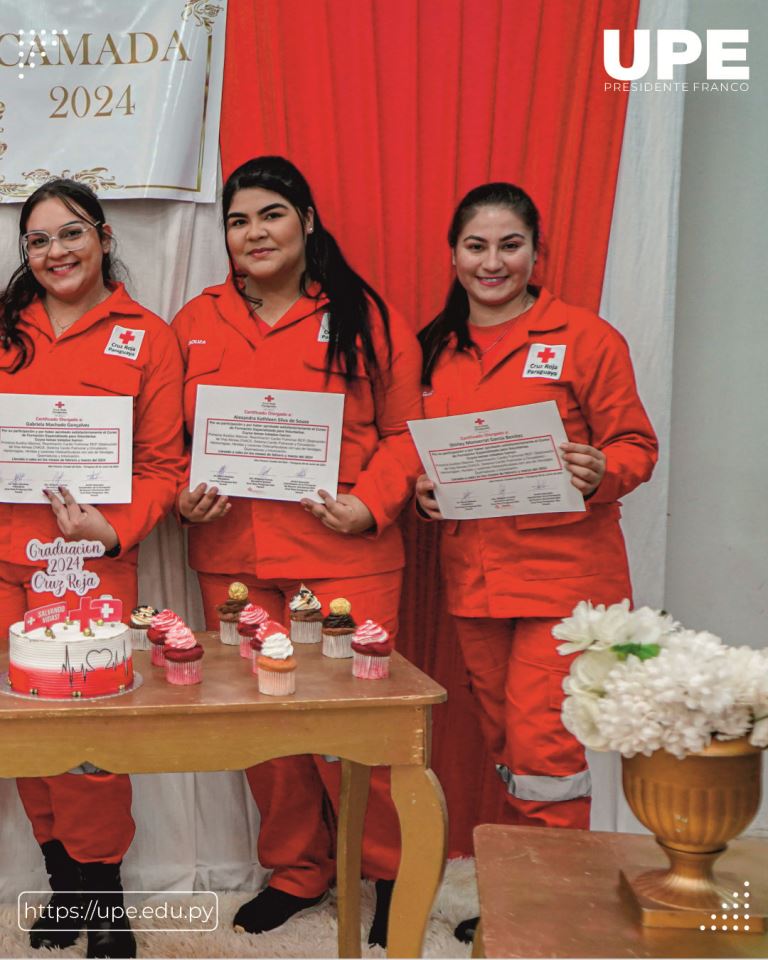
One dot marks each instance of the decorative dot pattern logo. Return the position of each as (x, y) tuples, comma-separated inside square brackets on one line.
[(739, 920)]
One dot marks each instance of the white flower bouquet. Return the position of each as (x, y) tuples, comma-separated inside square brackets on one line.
[(644, 683)]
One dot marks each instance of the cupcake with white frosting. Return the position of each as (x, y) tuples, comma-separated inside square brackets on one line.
[(306, 617), (276, 663), (139, 622)]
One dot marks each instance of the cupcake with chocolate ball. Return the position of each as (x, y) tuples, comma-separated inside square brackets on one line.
[(251, 618), (229, 613), (183, 656), (277, 665), (306, 617), (372, 651), (338, 629), (159, 626), (139, 622)]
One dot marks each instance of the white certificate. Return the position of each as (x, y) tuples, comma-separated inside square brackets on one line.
[(82, 443), (267, 444), (497, 463)]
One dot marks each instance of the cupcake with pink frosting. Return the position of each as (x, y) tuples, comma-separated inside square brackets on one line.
[(251, 618), (158, 629), (371, 652), (277, 665), (183, 656)]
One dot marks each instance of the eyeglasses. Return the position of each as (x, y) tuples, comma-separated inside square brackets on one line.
[(71, 237)]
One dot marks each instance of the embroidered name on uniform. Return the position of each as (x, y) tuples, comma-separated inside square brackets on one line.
[(191, 343), (124, 342), (324, 333), (545, 360)]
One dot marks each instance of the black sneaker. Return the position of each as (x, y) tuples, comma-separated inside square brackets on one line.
[(271, 909)]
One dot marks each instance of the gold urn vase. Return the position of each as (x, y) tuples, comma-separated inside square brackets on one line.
[(693, 807)]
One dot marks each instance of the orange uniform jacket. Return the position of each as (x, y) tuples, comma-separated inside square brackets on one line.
[(541, 565), (222, 345), (76, 364)]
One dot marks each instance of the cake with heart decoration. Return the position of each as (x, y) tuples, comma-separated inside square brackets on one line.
[(58, 654)]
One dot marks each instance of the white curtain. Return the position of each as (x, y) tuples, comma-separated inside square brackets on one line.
[(639, 299), (198, 831)]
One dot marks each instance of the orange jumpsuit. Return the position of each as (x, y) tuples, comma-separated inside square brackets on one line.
[(510, 579), (272, 546), (76, 364)]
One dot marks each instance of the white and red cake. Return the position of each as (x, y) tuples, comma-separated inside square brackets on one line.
[(65, 659)]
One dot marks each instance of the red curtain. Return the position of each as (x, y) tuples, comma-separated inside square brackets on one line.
[(393, 109)]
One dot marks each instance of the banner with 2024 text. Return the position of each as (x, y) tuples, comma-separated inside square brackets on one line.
[(123, 96)]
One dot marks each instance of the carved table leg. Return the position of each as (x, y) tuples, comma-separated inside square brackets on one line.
[(420, 805), (352, 802)]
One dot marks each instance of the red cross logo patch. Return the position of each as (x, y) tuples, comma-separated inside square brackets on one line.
[(124, 342), (545, 360)]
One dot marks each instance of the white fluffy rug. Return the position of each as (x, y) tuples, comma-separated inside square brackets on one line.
[(313, 935)]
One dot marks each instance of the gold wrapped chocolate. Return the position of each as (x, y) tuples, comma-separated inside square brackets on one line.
[(49, 632), (340, 605), (237, 591)]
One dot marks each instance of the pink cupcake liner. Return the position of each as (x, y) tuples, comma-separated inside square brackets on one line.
[(139, 639), (158, 654), (184, 673), (255, 663), (306, 631), (338, 646), (246, 650), (228, 633), (277, 684), (367, 667)]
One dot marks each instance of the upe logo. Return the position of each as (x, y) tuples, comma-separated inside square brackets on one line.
[(675, 48)]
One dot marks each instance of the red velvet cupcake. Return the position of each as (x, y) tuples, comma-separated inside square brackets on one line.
[(251, 618), (183, 656), (372, 651), (158, 629)]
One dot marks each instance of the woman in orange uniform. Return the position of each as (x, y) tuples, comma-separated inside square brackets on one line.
[(500, 342), (293, 315), (67, 327)]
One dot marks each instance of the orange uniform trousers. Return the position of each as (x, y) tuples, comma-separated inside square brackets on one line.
[(295, 840), (90, 814), (516, 675)]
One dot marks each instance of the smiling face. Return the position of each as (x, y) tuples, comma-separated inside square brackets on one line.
[(494, 258), (69, 276), (266, 240)]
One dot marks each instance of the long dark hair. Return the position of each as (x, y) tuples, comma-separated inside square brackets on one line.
[(348, 294), (23, 288), (453, 318)]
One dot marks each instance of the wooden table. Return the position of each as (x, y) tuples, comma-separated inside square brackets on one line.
[(556, 893), (161, 728)]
